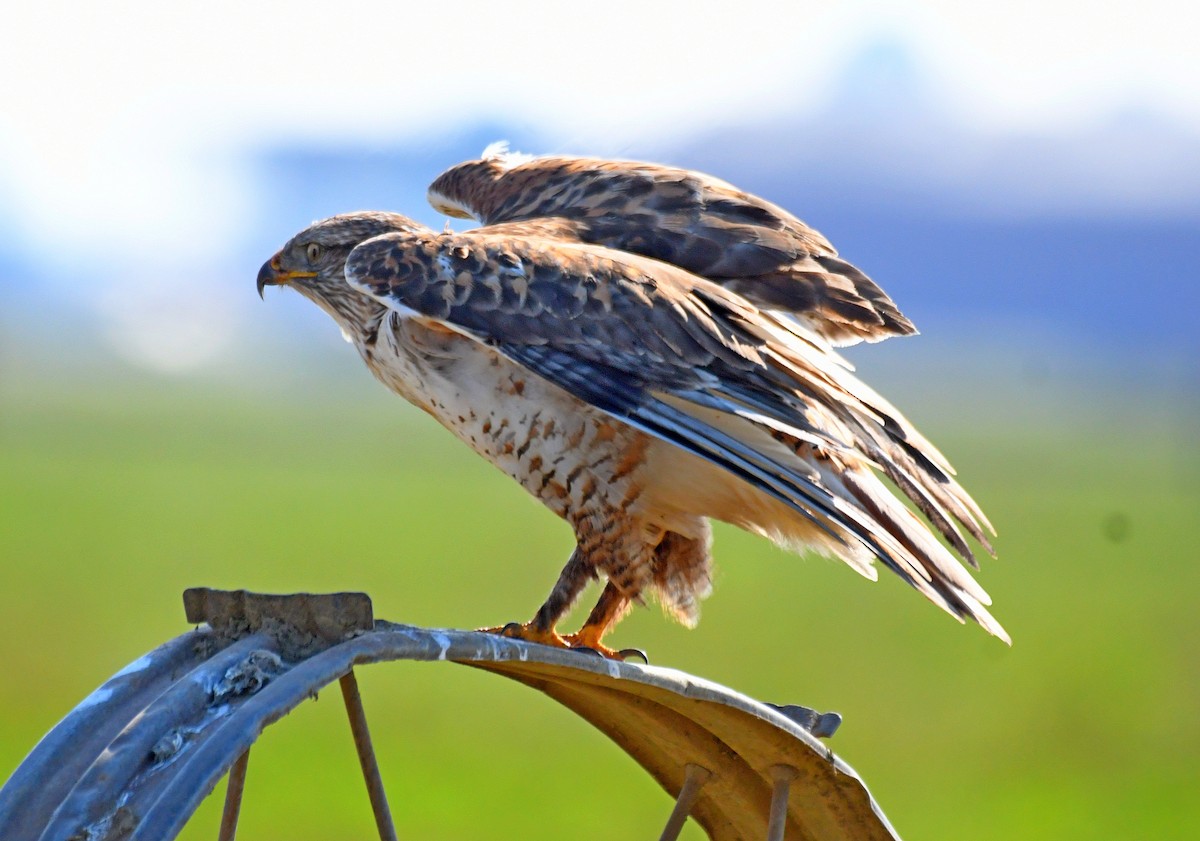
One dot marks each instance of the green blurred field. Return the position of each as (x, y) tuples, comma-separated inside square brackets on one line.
[(113, 500)]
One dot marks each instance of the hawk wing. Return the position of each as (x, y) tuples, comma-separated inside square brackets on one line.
[(694, 365), (689, 219)]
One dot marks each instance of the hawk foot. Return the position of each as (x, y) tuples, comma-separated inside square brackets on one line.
[(529, 632), (583, 642), (621, 654)]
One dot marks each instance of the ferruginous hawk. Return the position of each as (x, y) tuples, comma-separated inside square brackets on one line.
[(585, 355)]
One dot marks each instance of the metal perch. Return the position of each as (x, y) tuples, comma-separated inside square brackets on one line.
[(136, 757)]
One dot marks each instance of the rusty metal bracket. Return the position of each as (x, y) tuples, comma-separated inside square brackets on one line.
[(136, 757)]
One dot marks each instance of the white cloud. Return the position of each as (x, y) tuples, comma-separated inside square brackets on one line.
[(383, 67)]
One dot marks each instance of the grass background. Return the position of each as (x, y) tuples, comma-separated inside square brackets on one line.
[(116, 495)]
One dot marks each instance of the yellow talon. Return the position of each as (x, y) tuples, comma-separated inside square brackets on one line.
[(586, 640), (529, 632)]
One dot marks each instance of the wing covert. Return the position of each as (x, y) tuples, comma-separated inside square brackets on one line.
[(686, 218), (520, 290)]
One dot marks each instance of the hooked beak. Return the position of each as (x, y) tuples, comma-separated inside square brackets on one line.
[(272, 274)]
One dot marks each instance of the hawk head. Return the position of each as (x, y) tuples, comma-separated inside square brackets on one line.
[(313, 262)]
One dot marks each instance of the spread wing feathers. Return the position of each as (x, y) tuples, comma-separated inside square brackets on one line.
[(879, 430), (692, 364), (692, 220)]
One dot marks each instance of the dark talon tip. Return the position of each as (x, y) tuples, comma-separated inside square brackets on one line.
[(583, 649), (626, 653), (512, 629)]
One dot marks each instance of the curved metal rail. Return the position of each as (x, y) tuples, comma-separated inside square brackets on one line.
[(136, 757)]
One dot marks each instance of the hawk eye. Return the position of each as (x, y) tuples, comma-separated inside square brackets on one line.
[(313, 252)]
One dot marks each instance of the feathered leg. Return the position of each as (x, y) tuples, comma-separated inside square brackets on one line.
[(609, 610), (571, 581)]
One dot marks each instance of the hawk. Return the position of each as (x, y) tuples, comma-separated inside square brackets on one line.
[(645, 349)]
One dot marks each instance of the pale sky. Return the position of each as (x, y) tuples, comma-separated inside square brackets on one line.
[(122, 124), (118, 109)]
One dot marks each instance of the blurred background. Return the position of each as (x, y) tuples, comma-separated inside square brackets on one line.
[(1023, 179)]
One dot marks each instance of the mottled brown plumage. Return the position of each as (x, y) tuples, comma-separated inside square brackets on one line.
[(689, 219), (637, 400)]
